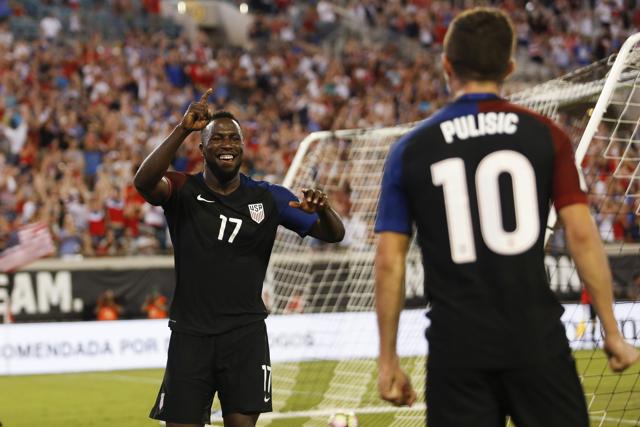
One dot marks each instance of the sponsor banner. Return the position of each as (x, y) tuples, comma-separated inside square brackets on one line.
[(62, 290), (136, 344), (34, 296), (38, 348), (339, 336), (583, 332)]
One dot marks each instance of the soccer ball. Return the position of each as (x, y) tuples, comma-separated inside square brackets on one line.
[(343, 419)]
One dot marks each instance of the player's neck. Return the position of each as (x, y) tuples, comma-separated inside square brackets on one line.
[(218, 186), (476, 87)]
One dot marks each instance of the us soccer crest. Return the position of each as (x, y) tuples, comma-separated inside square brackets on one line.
[(257, 212)]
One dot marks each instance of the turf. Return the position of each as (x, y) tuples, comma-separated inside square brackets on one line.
[(123, 398), (87, 399)]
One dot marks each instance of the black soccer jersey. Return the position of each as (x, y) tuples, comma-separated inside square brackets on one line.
[(477, 179), (222, 246)]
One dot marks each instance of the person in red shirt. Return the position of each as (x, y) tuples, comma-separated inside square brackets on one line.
[(152, 6), (296, 303), (107, 308), (97, 222), (155, 306), (115, 212)]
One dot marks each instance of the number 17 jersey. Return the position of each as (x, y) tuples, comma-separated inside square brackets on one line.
[(222, 245), (477, 179)]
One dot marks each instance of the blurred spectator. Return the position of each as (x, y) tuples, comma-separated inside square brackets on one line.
[(154, 219), (590, 314), (5, 10), (356, 233), (106, 307), (155, 306), (70, 240), (50, 26), (96, 221), (152, 7), (296, 302)]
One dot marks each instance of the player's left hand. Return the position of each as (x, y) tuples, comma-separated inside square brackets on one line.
[(312, 201), (621, 354), (395, 386)]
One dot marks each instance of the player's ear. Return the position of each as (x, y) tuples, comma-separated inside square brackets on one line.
[(446, 65), (448, 71), (201, 147), (510, 68)]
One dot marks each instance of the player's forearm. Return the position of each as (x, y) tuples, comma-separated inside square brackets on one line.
[(591, 262), (156, 164), (389, 294), (330, 227)]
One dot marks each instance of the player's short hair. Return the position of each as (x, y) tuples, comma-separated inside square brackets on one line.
[(205, 135), (224, 114), (479, 44)]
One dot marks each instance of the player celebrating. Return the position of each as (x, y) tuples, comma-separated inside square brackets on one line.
[(477, 179), (223, 226)]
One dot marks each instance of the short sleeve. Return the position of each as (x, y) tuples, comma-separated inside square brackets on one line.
[(566, 182), (292, 218), (175, 180), (393, 206)]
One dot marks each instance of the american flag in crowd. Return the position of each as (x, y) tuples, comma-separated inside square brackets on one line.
[(34, 242)]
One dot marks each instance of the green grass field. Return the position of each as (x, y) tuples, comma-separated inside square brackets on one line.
[(304, 395)]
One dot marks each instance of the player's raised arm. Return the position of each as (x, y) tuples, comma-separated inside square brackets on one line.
[(148, 180), (591, 262), (328, 227)]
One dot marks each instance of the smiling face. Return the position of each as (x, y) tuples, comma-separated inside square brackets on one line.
[(222, 148)]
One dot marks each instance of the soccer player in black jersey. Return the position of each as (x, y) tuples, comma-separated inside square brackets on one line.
[(223, 226), (477, 179)]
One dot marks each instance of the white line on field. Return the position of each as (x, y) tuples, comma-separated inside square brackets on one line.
[(614, 420), (383, 410), (328, 411)]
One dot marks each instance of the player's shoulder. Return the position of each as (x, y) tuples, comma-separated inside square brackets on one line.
[(277, 191), (254, 184), (417, 134)]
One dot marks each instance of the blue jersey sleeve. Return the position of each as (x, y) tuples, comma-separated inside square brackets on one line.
[(292, 218), (393, 206)]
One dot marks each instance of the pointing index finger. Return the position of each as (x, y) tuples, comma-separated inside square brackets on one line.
[(205, 96)]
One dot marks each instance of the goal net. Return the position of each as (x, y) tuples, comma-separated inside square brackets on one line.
[(327, 290)]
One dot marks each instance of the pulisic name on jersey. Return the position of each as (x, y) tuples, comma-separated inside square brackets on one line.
[(474, 125)]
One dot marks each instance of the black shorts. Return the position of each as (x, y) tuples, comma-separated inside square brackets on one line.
[(547, 394), (236, 365)]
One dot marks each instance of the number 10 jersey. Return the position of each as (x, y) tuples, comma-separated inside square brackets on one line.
[(477, 179)]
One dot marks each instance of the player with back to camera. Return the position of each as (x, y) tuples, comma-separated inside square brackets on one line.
[(223, 225), (477, 179)]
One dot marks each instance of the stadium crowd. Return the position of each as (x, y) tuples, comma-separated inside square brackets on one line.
[(79, 111)]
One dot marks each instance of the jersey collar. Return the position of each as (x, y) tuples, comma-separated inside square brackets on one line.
[(473, 97), (236, 193)]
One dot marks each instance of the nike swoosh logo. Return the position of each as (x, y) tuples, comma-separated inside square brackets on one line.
[(202, 199), (266, 399)]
